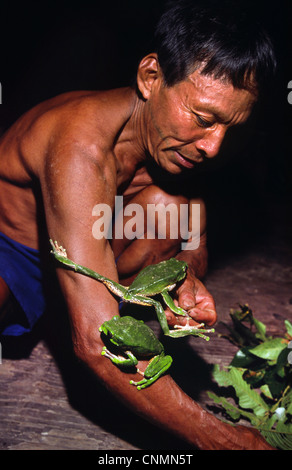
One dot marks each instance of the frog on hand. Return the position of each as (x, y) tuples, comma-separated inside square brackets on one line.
[(154, 279), (133, 338)]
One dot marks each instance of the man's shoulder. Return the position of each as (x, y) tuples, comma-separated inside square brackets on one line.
[(79, 117), (87, 114), (70, 107), (76, 105), (73, 123)]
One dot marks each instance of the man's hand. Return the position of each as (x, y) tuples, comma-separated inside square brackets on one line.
[(193, 297)]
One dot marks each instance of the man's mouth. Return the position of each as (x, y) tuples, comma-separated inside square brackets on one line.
[(185, 161)]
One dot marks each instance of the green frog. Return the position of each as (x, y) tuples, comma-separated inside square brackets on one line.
[(134, 338)]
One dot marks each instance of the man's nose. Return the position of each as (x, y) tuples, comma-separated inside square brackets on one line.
[(209, 145)]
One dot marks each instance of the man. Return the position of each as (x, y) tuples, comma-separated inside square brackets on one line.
[(80, 149)]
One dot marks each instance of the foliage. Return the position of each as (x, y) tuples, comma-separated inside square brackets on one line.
[(259, 378)]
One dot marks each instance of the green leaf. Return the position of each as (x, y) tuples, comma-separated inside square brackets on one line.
[(269, 349), (261, 329), (281, 437), (242, 358), (221, 376), (288, 326), (276, 384), (282, 362), (234, 412), (284, 427), (248, 398), (266, 391), (287, 401), (277, 439)]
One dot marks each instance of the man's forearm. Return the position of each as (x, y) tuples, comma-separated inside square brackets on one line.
[(165, 405)]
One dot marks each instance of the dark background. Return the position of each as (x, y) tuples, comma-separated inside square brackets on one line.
[(52, 47)]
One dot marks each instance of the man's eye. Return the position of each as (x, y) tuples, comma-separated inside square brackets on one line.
[(203, 122)]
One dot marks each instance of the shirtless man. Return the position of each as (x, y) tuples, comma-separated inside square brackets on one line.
[(80, 149)]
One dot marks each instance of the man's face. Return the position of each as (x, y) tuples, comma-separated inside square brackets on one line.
[(187, 122)]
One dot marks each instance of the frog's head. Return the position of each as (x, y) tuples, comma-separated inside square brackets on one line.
[(112, 329), (178, 268)]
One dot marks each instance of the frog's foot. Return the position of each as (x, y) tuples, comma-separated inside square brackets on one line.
[(140, 372), (156, 368), (144, 382), (58, 249), (187, 326), (187, 329), (130, 361)]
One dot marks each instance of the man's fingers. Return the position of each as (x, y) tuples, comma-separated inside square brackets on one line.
[(187, 297), (208, 316), (173, 319)]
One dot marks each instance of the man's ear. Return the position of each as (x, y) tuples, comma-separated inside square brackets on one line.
[(148, 72)]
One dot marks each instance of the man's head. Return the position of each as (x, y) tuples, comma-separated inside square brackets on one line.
[(208, 70), (218, 37)]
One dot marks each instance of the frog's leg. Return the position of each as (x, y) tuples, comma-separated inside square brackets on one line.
[(170, 303), (130, 361), (155, 369), (187, 330), (60, 254), (140, 300)]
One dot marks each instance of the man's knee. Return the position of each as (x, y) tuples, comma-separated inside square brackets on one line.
[(153, 194), (162, 213), (153, 215)]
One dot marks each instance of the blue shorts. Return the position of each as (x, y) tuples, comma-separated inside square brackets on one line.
[(20, 267)]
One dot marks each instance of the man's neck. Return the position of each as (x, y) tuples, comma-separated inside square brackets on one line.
[(130, 148)]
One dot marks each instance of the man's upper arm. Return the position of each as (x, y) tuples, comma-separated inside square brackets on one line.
[(73, 182)]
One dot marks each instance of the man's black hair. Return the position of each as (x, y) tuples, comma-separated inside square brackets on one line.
[(222, 38)]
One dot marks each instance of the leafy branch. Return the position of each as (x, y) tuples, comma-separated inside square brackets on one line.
[(260, 375)]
